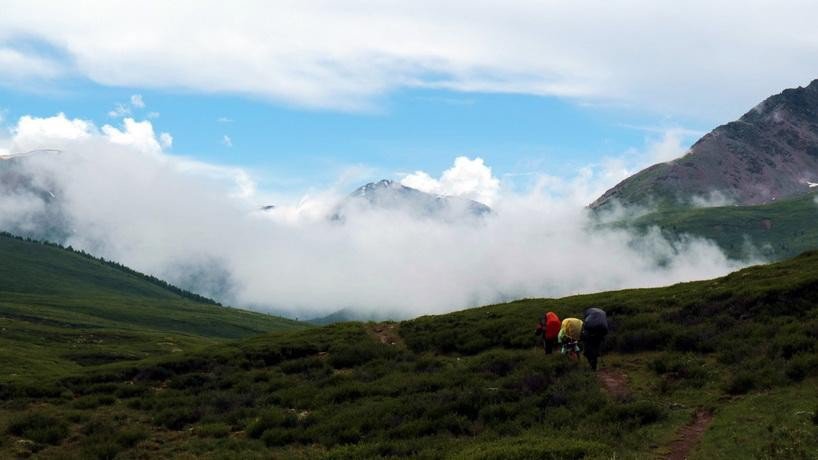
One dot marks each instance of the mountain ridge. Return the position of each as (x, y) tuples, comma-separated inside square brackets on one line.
[(770, 153), (393, 196)]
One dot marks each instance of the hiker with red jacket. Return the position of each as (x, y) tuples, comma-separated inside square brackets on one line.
[(594, 330), (549, 328)]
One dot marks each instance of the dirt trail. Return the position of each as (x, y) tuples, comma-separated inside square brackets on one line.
[(614, 382), (689, 436), (387, 333)]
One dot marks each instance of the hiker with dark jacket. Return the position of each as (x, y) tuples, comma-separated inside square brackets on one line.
[(594, 330), (549, 328)]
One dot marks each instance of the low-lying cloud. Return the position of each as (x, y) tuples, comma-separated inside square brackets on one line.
[(117, 194)]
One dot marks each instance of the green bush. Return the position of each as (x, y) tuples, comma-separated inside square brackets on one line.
[(277, 437), (271, 418), (176, 418), (38, 427), (638, 412), (131, 436), (101, 449), (741, 383), (93, 401), (802, 366), (212, 430), (533, 448), (130, 391)]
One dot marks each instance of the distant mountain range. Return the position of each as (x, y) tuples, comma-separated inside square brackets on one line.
[(769, 154), (393, 196)]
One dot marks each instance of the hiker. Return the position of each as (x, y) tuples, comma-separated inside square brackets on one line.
[(569, 336), (549, 328), (594, 330)]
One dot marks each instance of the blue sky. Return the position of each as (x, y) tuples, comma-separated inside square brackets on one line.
[(313, 90), (293, 149)]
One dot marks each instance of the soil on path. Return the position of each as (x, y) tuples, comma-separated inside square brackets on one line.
[(386, 333), (615, 383), (689, 436)]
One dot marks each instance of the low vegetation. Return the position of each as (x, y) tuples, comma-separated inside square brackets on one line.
[(775, 231), (470, 384), (62, 311)]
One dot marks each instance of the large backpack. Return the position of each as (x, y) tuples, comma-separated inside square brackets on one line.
[(596, 322), (552, 326)]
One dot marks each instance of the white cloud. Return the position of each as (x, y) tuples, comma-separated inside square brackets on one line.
[(226, 141), (137, 102), (17, 66), (331, 54), (119, 111), (224, 120), (166, 140), (152, 115), (32, 133), (197, 224), (136, 134), (470, 179), (670, 147)]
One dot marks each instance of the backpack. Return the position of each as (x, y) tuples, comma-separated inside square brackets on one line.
[(552, 325), (596, 322)]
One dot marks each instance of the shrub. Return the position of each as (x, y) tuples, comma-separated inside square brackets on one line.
[(101, 449), (38, 427), (272, 418), (276, 437), (177, 418), (540, 448), (802, 366), (131, 436), (130, 391), (740, 383), (94, 401), (212, 430), (639, 412), (353, 355)]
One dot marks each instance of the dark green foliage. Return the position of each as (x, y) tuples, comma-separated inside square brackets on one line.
[(777, 231), (64, 311), (176, 418), (117, 266), (471, 383), (639, 413), (741, 383), (38, 427)]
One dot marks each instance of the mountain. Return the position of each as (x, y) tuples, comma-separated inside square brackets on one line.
[(728, 366), (393, 196), (773, 231), (62, 311), (35, 209), (768, 154)]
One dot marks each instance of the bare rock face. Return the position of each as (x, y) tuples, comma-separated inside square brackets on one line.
[(768, 154)]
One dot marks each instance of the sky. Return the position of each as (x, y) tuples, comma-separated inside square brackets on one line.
[(302, 93), (532, 107)]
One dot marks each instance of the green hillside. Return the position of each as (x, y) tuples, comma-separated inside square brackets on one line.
[(733, 358), (61, 310), (776, 231)]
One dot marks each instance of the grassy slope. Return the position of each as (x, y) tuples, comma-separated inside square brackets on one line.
[(778, 231), (61, 310), (469, 384)]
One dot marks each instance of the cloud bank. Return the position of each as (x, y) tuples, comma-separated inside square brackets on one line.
[(344, 55), (115, 192)]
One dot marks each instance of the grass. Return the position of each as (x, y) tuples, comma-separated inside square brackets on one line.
[(470, 384), (774, 231), (62, 311)]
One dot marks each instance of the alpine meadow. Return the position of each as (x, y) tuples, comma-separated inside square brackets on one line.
[(386, 230)]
